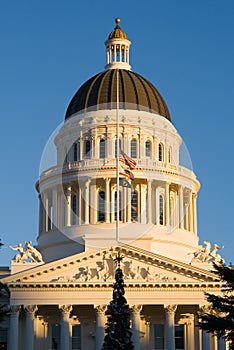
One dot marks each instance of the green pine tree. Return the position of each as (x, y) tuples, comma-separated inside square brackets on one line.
[(220, 318), (118, 332)]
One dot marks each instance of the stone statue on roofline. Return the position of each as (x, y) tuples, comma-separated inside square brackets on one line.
[(27, 253), (205, 254)]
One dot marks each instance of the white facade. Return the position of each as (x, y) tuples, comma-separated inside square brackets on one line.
[(63, 300)]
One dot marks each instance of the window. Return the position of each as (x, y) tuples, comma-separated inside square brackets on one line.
[(87, 149), (161, 210), (74, 209), (3, 339), (75, 148), (134, 206), (120, 211), (148, 149), (179, 337), (101, 206), (133, 148), (160, 152), (159, 336), (76, 337), (102, 149), (56, 336)]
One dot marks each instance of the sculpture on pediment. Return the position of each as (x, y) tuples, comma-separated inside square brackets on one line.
[(205, 254), (26, 253)]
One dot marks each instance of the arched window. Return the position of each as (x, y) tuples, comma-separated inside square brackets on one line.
[(75, 149), (120, 208), (116, 147), (101, 206), (134, 206), (74, 209), (87, 149), (102, 149), (133, 148), (160, 152), (148, 149), (161, 210)]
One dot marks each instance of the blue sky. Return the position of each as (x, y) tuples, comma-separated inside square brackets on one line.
[(49, 48)]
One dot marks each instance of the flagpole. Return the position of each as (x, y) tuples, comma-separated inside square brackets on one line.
[(117, 155)]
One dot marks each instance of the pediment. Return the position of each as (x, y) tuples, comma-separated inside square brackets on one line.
[(97, 267)]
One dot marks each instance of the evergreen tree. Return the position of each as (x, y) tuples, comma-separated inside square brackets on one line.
[(118, 333), (220, 318)]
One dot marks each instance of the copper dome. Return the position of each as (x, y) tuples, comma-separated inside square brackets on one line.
[(135, 92)]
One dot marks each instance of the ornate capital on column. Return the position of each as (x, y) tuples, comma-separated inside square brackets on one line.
[(65, 309), (30, 310), (170, 309), (187, 318), (14, 310), (136, 308), (204, 309), (101, 309)]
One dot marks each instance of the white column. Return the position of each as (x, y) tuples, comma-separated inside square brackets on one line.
[(114, 53), (68, 206), (149, 201), (214, 342), (86, 201), (13, 335), (93, 203), (189, 320), (136, 309), (65, 335), (190, 212), (181, 207), (46, 335), (167, 203), (100, 325), (81, 155), (170, 326), (46, 216), (195, 213), (107, 198), (143, 203), (29, 327), (55, 208), (187, 216), (40, 214)]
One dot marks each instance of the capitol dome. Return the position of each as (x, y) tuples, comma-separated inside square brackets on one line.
[(135, 92)]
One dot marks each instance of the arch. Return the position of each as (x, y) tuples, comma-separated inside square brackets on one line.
[(87, 149), (160, 152), (133, 147), (161, 210), (102, 148), (134, 206), (75, 152), (101, 206), (148, 148)]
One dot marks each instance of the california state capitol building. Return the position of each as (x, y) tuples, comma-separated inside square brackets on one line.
[(118, 188)]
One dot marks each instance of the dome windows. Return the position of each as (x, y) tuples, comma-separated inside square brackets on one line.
[(160, 152), (134, 148)]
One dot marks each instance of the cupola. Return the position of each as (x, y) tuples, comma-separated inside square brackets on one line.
[(117, 49)]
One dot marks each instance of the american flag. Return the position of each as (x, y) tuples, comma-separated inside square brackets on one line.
[(124, 159), (126, 164)]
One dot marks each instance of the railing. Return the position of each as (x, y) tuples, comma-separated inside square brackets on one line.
[(106, 163)]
